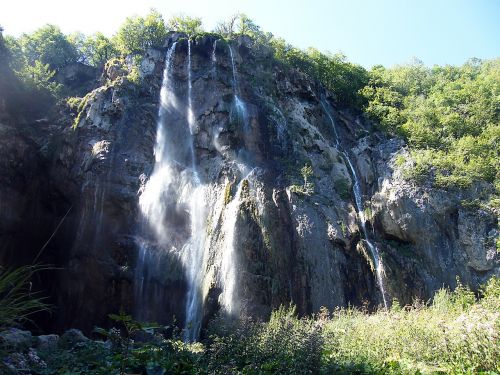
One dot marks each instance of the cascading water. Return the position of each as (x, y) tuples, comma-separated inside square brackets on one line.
[(194, 250), (228, 266), (281, 125), (214, 60), (190, 114), (240, 105), (151, 194), (360, 210), (173, 200)]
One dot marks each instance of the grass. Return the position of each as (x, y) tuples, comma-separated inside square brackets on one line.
[(17, 301), (456, 333)]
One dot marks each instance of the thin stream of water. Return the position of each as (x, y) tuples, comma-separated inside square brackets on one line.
[(358, 198)]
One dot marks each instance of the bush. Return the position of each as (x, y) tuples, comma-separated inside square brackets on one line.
[(448, 115), (284, 345), (137, 34), (455, 334)]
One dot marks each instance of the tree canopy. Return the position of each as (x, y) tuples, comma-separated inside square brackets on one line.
[(49, 46), (449, 115), (185, 24), (140, 33)]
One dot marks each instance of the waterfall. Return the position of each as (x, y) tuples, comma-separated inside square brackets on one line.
[(358, 198), (193, 253), (151, 194), (240, 105), (190, 114), (172, 201), (281, 126), (228, 269), (214, 60)]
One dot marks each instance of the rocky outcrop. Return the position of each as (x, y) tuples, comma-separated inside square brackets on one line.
[(296, 239), (434, 234)]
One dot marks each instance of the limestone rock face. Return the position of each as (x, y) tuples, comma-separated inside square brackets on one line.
[(432, 231), (295, 239)]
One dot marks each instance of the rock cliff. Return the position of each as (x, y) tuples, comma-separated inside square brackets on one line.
[(239, 129)]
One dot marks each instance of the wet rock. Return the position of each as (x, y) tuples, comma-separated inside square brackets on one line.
[(16, 339), (71, 338), (46, 342)]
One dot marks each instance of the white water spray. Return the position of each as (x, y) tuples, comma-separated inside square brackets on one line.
[(360, 210), (229, 261), (214, 60), (173, 194), (190, 113), (240, 105)]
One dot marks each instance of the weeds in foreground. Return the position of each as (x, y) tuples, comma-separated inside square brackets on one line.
[(17, 301), (456, 333)]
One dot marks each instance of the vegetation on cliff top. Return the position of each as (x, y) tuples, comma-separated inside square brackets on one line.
[(448, 115)]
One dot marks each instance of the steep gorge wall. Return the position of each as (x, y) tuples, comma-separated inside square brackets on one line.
[(291, 243)]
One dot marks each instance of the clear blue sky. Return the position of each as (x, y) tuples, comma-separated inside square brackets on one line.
[(369, 32)]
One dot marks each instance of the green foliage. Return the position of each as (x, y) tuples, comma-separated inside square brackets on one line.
[(39, 77), (306, 171), (49, 46), (240, 24), (342, 187), (9, 85), (134, 75), (185, 24), (455, 334), (285, 345), (17, 301), (137, 34), (245, 26), (307, 187), (228, 193), (35, 58), (449, 116), (79, 106), (227, 28), (96, 49), (125, 353), (335, 73)]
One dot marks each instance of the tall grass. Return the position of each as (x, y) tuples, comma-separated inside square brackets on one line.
[(17, 300), (454, 334)]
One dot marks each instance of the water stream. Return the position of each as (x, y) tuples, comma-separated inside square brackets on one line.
[(193, 252), (172, 201), (214, 60), (229, 261), (358, 198), (240, 105)]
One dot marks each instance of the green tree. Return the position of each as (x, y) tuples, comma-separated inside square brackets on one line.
[(39, 77), (450, 117), (49, 46), (246, 26), (137, 34), (185, 24), (98, 49)]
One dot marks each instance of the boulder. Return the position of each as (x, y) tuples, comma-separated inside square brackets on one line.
[(16, 339), (71, 338)]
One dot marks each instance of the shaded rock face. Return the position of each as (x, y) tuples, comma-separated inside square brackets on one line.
[(292, 242)]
